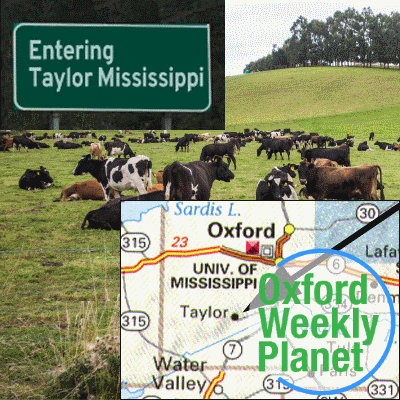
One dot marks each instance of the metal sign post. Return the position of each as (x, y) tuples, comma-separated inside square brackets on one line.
[(166, 122), (55, 121)]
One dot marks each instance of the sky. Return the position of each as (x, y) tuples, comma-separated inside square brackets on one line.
[(253, 26)]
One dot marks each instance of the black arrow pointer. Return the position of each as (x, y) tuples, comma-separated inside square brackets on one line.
[(284, 276)]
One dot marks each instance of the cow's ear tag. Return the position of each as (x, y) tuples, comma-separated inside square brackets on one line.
[(285, 184), (38, 173), (292, 168), (269, 184)]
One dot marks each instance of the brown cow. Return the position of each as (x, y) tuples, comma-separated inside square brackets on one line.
[(345, 183), (314, 139), (159, 176), (324, 162), (87, 190), (6, 143), (156, 186), (95, 151)]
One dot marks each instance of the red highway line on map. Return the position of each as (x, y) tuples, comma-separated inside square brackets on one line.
[(219, 378)]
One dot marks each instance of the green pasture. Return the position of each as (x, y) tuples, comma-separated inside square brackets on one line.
[(269, 99)]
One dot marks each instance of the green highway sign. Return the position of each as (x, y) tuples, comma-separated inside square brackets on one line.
[(98, 67)]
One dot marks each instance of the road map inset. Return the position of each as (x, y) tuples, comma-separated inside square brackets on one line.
[(189, 269)]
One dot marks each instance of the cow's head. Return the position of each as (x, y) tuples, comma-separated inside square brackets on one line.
[(223, 173), (303, 166), (290, 169), (45, 176), (83, 165), (278, 184), (303, 152)]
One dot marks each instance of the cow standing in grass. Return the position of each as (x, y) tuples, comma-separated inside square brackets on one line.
[(118, 174)]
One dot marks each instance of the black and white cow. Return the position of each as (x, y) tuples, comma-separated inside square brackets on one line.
[(118, 174), (74, 135), (22, 141), (57, 135), (102, 138), (118, 149), (35, 179), (363, 147), (383, 145), (277, 185), (371, 136), (193, 181)]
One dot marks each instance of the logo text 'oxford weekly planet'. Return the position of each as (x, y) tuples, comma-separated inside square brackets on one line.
[(318, 328)]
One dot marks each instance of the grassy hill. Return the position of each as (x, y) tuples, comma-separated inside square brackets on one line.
[(329, 100)]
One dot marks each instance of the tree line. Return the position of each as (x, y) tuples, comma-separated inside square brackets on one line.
[(347, 38)]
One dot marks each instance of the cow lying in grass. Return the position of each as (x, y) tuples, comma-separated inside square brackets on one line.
[(108, 216), (36, 179)]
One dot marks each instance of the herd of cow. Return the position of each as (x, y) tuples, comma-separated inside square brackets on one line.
[(325, 171)]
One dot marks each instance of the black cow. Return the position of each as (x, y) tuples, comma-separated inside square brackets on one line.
[(191, 137), (102, 138), (277, 185), (43, 145), (183, 142), (118, 149), (86, 143), (340, 155), (279, 146), (224, 149), (321, 141), (61, 145), (148, 135), (371, 136), (363, 147), (165, 136), (22, 141), (108, 216), (35, 179), (155, 140), (264, 146), (193, 181)]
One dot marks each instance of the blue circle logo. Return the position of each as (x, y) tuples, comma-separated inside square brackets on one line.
[(392, 322)]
